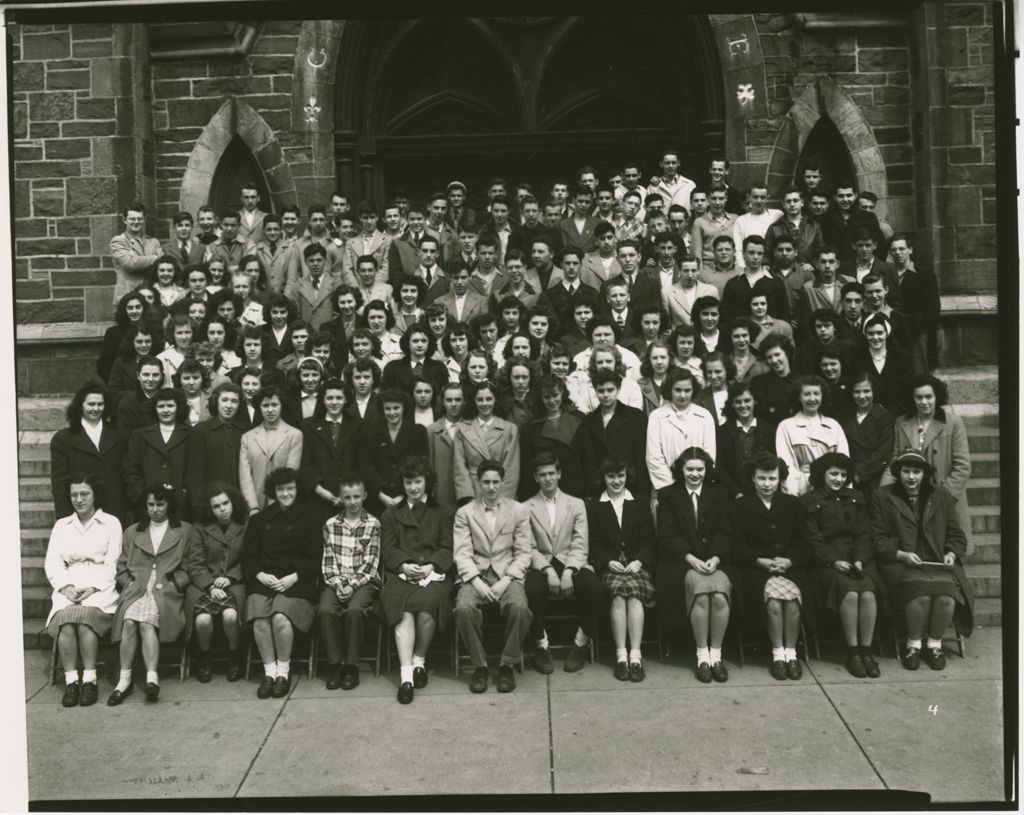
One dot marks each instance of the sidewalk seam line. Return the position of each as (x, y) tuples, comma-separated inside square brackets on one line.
[(849, 729), (263, 743), (551, 738)]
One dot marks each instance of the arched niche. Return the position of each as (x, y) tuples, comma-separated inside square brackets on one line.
[(237, 166)]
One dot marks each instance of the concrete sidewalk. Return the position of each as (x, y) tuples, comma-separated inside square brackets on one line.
[(941, 733)]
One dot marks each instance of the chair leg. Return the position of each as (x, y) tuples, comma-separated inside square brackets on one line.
[(739, 646), (311, 659), (54, 663), (380, 640), (183, 660), (248, 657)]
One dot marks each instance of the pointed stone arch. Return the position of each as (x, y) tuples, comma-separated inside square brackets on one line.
[(826, 97), (235, 117)]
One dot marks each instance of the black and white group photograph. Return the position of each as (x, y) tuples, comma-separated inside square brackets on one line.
[(417, 410)]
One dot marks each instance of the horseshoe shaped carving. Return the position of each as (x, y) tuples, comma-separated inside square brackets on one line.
[(323, 58)]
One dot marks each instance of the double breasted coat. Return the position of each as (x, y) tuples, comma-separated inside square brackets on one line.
[(800, 440), (871, 442), (213, 453), (680, 533), (214, 551), (151, 460), (261, 452), (380, 458), (420, 537), (624, 437), (282, 541), (74, 452), (668, 434), (324, 461), (498, 441), (135, 566), (730, 466), (763, 532), (631, 540)]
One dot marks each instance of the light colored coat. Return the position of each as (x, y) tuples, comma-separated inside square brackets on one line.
[(133, 258), (475, 303), (84, 557), (568, 539), (507, 551), (668, 435), (592, 271), (275, 265), (672, 300), (499, 441), (441, 453), (314, 305), (263, 451), (377, 245), (798, 442), (251, 234)]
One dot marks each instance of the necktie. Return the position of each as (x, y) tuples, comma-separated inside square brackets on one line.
[(315, 280), (913, 503), (696, 510), (920, 437), (426, 276), (335, 428), (184, 250), (273, 248), (417, 369), (629, 282)]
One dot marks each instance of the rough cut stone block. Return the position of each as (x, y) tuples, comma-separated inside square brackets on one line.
[(92, 48), (87, 129), (892, 95), (50, 311), (28, 76), (882, 59), (894, 37), (22, 199), (46, 246), (32, 290), (44, 130), (183, 69), (28, 152), (41, 266), (91, 31), (951, 127), (957, 206), (231, 86), (964, 155), (171, 88), (67, 80), (45, 46), (964, 14), (30, 227), (95, 108), (272, 65), (47, 204), (47, 169), (950, 49), (102, 277), (19, 124), (73, 228), (977, 75), (51, 107), (68, 148), (976, 242)]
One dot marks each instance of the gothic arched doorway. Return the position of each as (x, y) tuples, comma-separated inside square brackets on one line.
[(422, 102)]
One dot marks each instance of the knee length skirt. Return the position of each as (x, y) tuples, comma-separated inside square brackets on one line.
[(695, 584), (97, 619), (399, 596), (300, 612), (145, 609), (639, 586)]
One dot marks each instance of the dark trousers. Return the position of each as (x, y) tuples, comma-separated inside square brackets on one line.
[(346, 621), (586, 593)]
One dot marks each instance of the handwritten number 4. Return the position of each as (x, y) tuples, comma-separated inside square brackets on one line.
[(933, 709)]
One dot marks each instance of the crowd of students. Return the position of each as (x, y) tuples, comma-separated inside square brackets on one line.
[(422, 416)]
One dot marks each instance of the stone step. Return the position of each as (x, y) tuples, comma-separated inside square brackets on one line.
[(985, 519), (42, 412), (986, 579), (34, 636), (983, 491), (988, 611), (984, 465), (35, 601), (977, 414), (987, 548), (33, 572), (34, 488), (983, 439), (36, 514), (34, 542), (975, 384)]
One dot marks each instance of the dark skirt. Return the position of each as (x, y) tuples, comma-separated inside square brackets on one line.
[(637, 585), (911, 583), (399, 596), (300, 612), (832, 586), (98, 620), (207, 605)]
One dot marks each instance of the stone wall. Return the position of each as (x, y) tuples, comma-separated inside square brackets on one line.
[(80, 151)]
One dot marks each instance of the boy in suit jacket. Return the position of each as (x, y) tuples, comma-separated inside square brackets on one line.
[(183, 247), (559, 564), (492, 551)]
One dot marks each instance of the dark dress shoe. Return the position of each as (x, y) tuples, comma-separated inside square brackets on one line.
[(935, 658), (778, 669), (794, 670), (622, 671), (576, 658), (349, 677), (204, 671), (90, 693), (719, 672), (71, 694), (152, 691), (405, 693), (234, 666), (855, 665), (119, 696), (540, 659), (266, 688), (912, 659), (281, 687), (636, 672), (704, 673), (506, 679), (478, 684), (419, 678), (333, 677), (871, 668)]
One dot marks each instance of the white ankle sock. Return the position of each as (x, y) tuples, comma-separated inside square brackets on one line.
[(620, 654), (124, 680), (89, 676), (715, 655), (634, 655), (934, 643), (790, 654), (70, 677), (703, 655), (418, 662), (406, 671), (283, 668), (581, 640), (913, 643), (543, 641), (152, 676), (778, 654), (270, 670)]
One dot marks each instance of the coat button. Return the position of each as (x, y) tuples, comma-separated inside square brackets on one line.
[(159, 585)]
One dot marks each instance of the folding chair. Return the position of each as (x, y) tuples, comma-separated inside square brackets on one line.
[(801, 640), (374, 634), (899, 635), (562, 620), (652, 634), (219, 649)]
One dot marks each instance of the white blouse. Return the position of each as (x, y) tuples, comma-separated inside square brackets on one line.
[(84, 555)]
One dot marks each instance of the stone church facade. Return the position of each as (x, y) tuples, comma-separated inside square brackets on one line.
[(177, 114)]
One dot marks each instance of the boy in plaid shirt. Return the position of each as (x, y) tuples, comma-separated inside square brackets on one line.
[(352, 581)]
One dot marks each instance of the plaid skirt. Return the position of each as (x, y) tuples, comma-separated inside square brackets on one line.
[(207, 605), (637, 585), (98, 620), (145, 609), (781, 588)]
